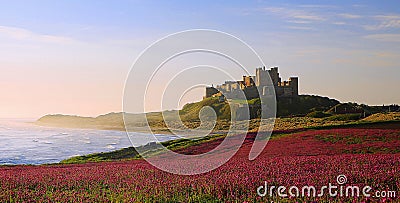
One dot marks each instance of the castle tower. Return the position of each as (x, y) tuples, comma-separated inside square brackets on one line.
[(248, 81), (274, 74), (261, 77), (294, 84)]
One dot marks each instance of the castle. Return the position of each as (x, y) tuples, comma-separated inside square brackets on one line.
[(253, 86)]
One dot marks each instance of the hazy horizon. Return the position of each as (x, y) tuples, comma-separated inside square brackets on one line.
[(72, 57)]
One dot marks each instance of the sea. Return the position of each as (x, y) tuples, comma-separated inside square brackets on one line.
[(23, 142)]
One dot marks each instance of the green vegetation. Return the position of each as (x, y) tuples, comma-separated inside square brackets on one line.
[(303, 105), (388, 124), (179, 144), (111, 121), (383, 116), (344, 117), (304, 111), (125, 153), (131, 153), (318, 114), (191, 111)]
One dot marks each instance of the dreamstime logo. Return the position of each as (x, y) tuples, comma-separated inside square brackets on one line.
[(331, 190), (172, 70), (341, 179)]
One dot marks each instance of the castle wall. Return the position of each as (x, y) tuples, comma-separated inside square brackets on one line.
[(251, 84)]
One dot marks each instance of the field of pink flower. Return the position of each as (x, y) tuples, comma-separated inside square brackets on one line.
[(365, 156)]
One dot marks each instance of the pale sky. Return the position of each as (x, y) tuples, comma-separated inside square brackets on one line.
[(72, 57)]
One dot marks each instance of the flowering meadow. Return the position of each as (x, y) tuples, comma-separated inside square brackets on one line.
[(314, 157)]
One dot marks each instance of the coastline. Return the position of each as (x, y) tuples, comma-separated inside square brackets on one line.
[(130, 152), (129, 149), (163, 131), (281, 125)]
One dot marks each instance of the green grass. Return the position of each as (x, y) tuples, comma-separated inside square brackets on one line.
[(318, 114), (344, 117), (358, 124), (335, 139), (191, 111), (125, 153), (131, 153)]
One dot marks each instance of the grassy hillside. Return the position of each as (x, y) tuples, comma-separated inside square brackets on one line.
[(191, 111), (131, 153), (183, 145), (301, 105)]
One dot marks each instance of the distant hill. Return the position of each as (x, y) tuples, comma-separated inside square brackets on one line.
[(109, 121)]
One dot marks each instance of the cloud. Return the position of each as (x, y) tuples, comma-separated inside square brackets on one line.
[(299, 28), (309, 17), (299, 21), (384, 22), (387, 17), (294, 14), (339, 23), (15, 33), (383, 25), (349, 16), (316, 6), (358, 5), (384, 37), (24, 34)]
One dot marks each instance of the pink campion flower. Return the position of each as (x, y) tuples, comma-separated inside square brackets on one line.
[(311, 157)]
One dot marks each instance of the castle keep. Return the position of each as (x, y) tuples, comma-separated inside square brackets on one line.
[(252, 86)]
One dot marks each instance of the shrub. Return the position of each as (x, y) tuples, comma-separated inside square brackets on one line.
[(318, 114), (344, 117)]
